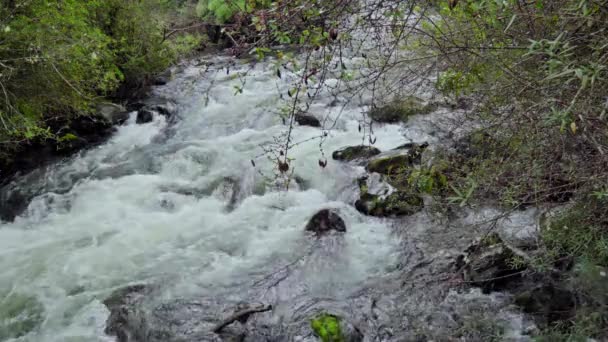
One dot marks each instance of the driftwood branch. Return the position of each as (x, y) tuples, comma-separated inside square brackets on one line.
[(241, 315)]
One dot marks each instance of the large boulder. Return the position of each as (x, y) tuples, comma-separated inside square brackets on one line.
[(400, 110), (307, 120), (548, 302), (492, 265), (378, 198), (394, 161), (125, 320), (144, 116), (114, 113), (351, 153), (325, 221)]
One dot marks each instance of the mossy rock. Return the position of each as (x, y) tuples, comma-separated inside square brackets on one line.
[(398, 203), (389, 165), (400, 110), (394, 161), (327, 327), (351, 153)]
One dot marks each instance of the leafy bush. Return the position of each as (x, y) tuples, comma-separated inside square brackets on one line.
[(57, 58)]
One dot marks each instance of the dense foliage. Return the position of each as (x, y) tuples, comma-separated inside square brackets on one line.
[(58, 58)]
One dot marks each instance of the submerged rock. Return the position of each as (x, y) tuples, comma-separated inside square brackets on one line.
[(13, 204), (547, 302), (125, 320), (144, 116), (491, 265), (351, 153), (307, 120), (19, 315), (325, 221), (400, 110)]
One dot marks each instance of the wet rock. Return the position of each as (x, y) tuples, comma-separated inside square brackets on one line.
[(126, 316), (12, 204), (396, 204), (162, 78), (547, 302), (114, 113), (75, 133), (325, 221), (307, 120), (227, 189), (394, 161), (401, 110), (492, 265), (144, 116), (378, 198), (351, 153)]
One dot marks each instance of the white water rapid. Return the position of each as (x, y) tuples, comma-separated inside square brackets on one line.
[(148, 207)]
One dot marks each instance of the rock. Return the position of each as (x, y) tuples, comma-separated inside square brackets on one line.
[(325, 221), (393, 161), (125, 320), (162, 78), (351, 153), (144, 116), (12, 204), (398, 203), (548, 303), (114, 113), (378, 198), (492, 265), (229, 191), (401, 110), (307, 120)]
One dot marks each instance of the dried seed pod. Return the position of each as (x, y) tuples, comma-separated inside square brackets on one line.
[(283, 166), (333, 34)]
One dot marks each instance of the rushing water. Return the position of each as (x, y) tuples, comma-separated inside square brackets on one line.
[(148, 207)]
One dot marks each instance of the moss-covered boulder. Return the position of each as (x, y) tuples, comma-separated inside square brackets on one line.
[(378, 198), (394, 161), (399, 203), (400, 110), (351, 153)]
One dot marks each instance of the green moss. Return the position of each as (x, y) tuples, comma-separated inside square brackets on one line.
[(399, 203), (389, 165), (327, 328)]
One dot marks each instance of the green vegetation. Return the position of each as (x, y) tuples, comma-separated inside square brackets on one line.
[(538, 71), (327, 328), (59, 58)]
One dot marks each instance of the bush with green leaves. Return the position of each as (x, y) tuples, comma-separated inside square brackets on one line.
[(58, 58)]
